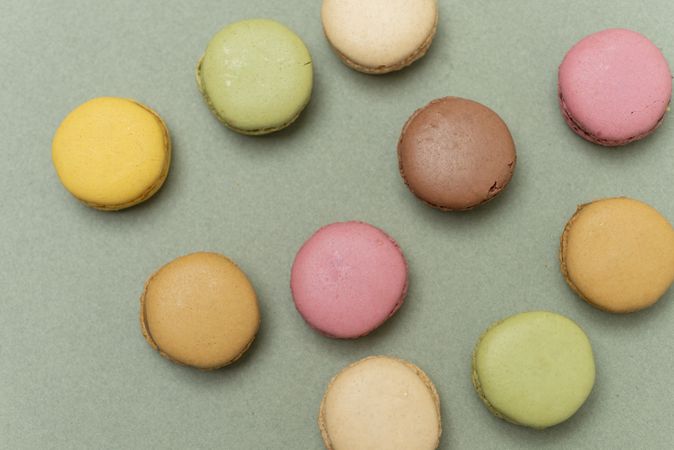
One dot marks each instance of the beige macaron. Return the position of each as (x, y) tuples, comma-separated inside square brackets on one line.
[(200, 310), (380, 403), (618, 254), (380, 36)]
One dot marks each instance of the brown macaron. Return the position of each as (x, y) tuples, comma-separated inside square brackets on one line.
[(456, 154), (200, 310)]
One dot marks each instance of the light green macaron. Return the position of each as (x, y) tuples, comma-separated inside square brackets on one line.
[(256, 76), (534, 369)]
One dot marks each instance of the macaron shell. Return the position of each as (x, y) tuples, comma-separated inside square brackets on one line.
[(615, 87), (348, 279), (456, 154), (380, 403), (534, 369), (618, 254), (256, 76), (200, 310), (380, 36), (112, 153)]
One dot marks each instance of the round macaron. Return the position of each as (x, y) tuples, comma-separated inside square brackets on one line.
[(380, 403), (534, 369), (380, 36), (456, 154), (112, 153), (618, 254), (614, 87), (200, 310), (256, 76), (348, 279)]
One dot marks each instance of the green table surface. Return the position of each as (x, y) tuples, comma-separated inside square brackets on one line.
[(75, 371)]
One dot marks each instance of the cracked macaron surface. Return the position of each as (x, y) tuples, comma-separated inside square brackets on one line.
[(256, 76), (614, 87), (456, 154)]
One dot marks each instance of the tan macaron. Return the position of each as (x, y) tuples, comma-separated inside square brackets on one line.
[(618, 254), (380, 403), (380, 36), (200, 310)]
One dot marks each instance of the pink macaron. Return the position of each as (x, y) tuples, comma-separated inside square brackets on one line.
[(614, 87), (348, 278)]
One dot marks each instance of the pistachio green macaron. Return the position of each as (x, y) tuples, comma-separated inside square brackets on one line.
[(256, 76), (534, 369)]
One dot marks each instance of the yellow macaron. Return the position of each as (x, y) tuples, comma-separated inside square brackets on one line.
[(112, 153)]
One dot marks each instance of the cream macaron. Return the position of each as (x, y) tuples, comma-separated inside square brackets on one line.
[(380, 402), (380, 36), (112, 153)]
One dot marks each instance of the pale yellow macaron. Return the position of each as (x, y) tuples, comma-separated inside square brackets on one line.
[(618, 254), (200, 310), (112, 153), (380, 36), (380, 403)]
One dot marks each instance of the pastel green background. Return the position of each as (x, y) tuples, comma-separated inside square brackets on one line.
[(74, 369)]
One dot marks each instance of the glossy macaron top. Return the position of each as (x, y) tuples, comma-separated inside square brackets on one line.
[(534, 369), (618, 254), (455, 154), (112, 153), (348, 278), (256, 75), (380, 403), (200, 310), (379, 36), (614, 87)]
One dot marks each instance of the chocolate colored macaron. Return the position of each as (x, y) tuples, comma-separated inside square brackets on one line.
[(456, 154)]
